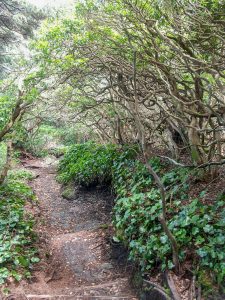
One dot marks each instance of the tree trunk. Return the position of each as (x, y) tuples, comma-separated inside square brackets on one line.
[(7, 165)]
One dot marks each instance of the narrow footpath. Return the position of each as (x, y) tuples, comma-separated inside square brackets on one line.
[(76, 259)]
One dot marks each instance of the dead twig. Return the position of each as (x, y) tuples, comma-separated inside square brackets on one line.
[(199, 296), (99, 245), (172, 287), (7, 165), (187, 287), (158, 288)]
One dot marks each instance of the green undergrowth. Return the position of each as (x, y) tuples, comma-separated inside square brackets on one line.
[(17, 251), (198, 228), (90, 164)]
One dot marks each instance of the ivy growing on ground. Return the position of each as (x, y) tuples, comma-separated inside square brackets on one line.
[(198, 228), (17, 253)]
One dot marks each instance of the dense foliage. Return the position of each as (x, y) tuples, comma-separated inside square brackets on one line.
[(198, 228), (90, 163)]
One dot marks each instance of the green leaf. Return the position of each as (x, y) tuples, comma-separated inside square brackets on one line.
[(201, 252), (16, 275), (164, 239), (24, 261), (170, 264), (35, 259), (199, 240), (208, 228), (115, 239), (195, 230)]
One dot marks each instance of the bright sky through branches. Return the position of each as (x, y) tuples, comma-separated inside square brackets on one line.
[(51, 3)]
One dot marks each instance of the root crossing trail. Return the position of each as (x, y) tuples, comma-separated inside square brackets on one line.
[(76, 258)]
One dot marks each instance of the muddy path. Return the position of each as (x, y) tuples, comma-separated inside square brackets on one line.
[(76, 260)]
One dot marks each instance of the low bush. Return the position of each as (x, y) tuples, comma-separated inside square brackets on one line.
[(86, 164), (90, 164), (20, 174), (17, 253), (197, 228)]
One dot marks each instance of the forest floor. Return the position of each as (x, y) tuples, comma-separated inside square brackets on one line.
[(77, 261)]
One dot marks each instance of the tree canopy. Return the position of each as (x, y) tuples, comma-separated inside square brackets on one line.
[(17, 21), (137, 71)]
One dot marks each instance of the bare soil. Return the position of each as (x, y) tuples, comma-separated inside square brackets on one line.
[(76, 260)]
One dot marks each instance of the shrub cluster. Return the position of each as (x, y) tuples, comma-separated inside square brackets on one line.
[(198, 228), (90, 164), (17, 253)]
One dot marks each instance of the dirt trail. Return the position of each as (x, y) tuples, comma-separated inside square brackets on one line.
[(76, 261)]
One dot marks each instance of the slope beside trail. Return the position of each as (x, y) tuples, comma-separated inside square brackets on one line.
[(76, 257)]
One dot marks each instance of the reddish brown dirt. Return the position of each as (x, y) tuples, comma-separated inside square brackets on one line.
[(76, 261)]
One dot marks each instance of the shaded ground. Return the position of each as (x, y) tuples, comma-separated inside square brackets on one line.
[(76, 261)]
